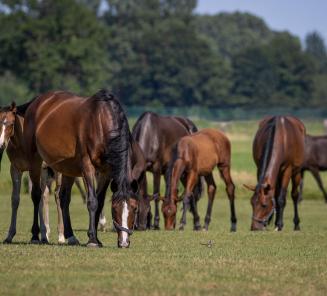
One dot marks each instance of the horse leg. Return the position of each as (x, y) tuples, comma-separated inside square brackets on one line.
[(301, 186), (35, 175), (16, 178), (296, 179), (211, 196), (194, 204), (65, 197), (60, 227), (230, 190), (188, 196), (316, 175), (102, 222), (281, 199), (92, 203), (103, 183), (156, 197), (81, 190)]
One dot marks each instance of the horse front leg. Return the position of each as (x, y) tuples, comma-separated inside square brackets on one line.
[(60, 223), (191, 180), (316, 175), (281, 199), (35, 175), (92, 203), (16, 178), (156, 197), (103, 183)]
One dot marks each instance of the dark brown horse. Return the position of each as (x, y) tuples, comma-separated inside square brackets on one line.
[(156, 136), (278, 151), (90, 137), (315, 160), (197, 155)]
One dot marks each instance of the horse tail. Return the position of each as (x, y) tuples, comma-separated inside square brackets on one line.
[(198, 189)]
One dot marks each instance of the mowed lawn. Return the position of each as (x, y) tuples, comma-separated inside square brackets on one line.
[(176, 263)]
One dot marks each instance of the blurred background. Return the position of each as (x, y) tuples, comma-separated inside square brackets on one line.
[(209, 59)]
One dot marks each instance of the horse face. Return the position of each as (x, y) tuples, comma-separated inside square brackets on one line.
[(263, 206), (7, 121), (124, 212), (169, 210), (123, 215)]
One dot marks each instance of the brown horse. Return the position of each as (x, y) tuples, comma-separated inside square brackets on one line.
[(12, 121), (156, 136), (90, 137), (315, 160), (278, 151), (197, 155)]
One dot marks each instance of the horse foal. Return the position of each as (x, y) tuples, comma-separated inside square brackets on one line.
[(197, 155)]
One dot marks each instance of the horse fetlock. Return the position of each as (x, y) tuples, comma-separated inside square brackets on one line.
[(61, 239), (233, 227)]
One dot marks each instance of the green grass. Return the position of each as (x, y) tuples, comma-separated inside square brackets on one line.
[(176, 263)]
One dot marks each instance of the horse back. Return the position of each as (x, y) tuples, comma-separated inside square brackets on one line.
[(315, 152)]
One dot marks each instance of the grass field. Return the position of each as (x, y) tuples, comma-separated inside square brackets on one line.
[(176, 263)]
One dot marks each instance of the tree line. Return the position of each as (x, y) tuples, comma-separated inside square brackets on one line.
[(156, 53)]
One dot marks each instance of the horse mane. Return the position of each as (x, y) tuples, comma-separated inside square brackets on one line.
[(21, 109), (117, 154), (264, 161)]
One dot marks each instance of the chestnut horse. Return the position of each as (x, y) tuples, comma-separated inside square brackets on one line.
[(315, 160), (90, 137), (197, 155), (278, 151), (157, 136)]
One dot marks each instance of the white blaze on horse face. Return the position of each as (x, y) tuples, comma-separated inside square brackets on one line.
[(2, 136), (124, 222)]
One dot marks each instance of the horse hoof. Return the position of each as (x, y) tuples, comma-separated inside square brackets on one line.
[(93, 245), (233, 228), (156, 227), (35, 241), (197, 228), (7, 240), (73, 241), (181, 228), (297, 228), (61, 240), (205, 228), (44, 241)]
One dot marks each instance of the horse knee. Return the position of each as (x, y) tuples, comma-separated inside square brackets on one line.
[(212, 190), (92, 204)]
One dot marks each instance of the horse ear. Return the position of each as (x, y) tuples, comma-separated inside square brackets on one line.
[(249, 187), (135, 186), (13, 107), (113, 186)]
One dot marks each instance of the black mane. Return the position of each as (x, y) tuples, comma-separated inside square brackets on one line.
[(117, 154), (264, 161)]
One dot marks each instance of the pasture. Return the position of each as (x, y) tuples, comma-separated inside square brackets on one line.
[(176, 263)]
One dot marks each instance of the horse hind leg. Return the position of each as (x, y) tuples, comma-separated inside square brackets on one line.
[(295, 196), (156, 197), (16, 177), (316, 175), (211, 195), (60, 224), (230, 190)]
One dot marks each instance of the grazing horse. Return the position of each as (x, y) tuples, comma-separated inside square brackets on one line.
[(156, 136), (197, 155), (315, 160), (13, 116), (90, 138), (278, 151)]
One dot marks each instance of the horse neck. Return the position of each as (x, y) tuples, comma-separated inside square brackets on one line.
[(17, 138)]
